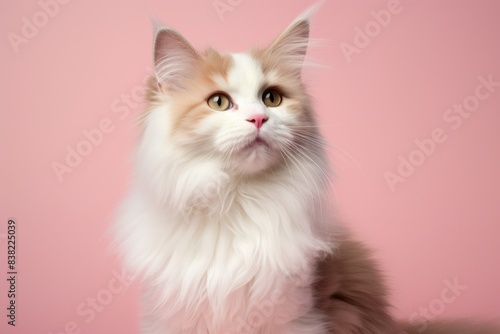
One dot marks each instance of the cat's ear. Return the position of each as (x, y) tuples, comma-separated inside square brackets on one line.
[(291, 46), (174, 58)]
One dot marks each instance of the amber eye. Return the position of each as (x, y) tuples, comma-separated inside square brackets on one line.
[(219, 102), (271, 98)]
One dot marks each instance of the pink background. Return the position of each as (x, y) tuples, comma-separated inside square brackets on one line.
[(441, 224)]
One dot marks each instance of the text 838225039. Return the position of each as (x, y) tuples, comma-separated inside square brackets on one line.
[(11, 272)]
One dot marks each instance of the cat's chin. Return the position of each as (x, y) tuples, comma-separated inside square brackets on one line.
[(257, 157)]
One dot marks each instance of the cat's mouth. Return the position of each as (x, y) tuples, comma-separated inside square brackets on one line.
[(258, 141)]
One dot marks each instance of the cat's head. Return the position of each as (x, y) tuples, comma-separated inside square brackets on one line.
[(249, 111)]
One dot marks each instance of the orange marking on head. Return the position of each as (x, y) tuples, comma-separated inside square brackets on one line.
[(190, 105)]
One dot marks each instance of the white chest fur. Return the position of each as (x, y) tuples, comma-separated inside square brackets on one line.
[(236, 258)]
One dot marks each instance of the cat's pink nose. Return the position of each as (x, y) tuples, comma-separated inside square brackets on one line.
[(258, 120)]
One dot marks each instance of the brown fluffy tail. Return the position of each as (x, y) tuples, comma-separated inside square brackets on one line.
[(351, 292), (450, 327)]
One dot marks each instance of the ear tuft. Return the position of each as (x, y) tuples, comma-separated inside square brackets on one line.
[(174, 58), (291, 46)]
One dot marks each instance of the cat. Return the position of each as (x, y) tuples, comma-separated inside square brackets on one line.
[(227, 220)]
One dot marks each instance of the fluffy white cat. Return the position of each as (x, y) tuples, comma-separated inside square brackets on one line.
[(227, 220), (224, 220)]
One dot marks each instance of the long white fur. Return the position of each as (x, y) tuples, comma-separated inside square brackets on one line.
[(226, 242)]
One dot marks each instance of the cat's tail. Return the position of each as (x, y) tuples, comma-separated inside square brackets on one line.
[(450, 327)]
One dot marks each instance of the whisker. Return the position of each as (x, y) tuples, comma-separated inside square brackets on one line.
[(315, 141)]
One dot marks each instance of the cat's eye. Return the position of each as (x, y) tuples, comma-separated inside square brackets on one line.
[(219, 102), (271, 98)]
